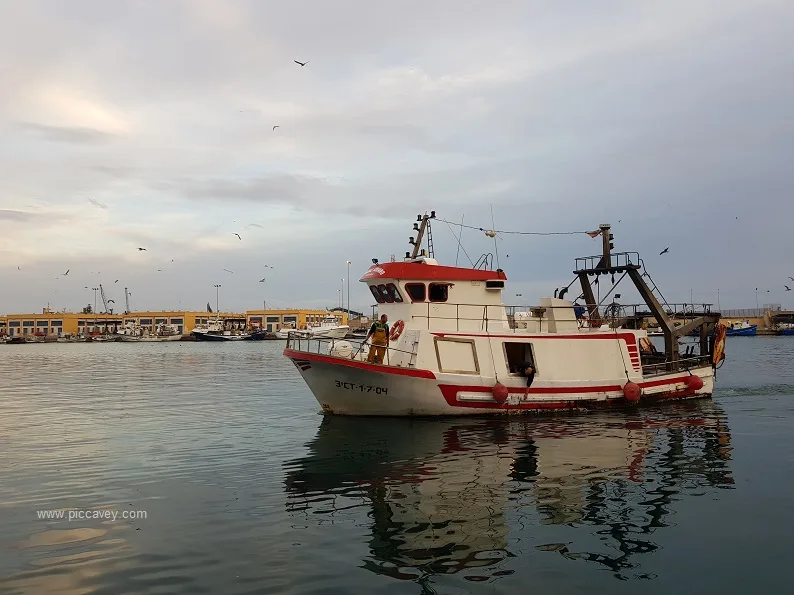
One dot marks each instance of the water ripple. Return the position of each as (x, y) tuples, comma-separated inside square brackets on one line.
[(246, 489)]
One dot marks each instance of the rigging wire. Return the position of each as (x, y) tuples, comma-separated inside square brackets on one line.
[(459, 243), (524, 233)]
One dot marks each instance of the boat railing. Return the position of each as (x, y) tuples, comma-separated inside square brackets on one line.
[(684, 363), (297, 341), (618, 260), (494, 316)]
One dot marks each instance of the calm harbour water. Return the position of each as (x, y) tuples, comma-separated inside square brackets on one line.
[(247, 489)]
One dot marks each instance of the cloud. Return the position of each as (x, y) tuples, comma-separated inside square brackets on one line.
[(66, 134), (12, 215), (559, 116)]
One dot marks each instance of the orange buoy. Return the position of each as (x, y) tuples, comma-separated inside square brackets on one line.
[(499, 392), (632, 392), (694, 382)]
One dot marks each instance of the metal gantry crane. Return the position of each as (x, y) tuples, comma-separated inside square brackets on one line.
[(105, 301)]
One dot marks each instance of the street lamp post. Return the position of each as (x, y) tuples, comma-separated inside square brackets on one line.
[(348, 290), (95, 290), (217, 299), (342, 294)]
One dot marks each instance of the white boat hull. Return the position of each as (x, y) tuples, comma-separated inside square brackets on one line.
[(346, 386), (131, 339), (339, 332)]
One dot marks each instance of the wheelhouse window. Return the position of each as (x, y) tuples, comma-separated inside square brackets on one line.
[(376, 294), (438, 292), (416, 291), (393, 293)]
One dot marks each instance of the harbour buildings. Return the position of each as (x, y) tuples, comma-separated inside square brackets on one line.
[(50, 322)]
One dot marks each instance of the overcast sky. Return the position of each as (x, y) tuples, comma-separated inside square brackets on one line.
[(149, 123)]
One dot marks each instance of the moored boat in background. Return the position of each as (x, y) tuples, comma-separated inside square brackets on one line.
[(742, 329)]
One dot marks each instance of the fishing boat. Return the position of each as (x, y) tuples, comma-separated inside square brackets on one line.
[(327, 328), (455, 349), (215, 330), (135, 333), (785, 328), (742, 329)]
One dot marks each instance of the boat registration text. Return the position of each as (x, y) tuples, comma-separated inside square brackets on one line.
[(364, 388)]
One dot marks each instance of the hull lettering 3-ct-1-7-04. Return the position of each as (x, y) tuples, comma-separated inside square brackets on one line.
[(364, 388)]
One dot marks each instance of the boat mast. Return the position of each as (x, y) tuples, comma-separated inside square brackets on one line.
[(420, 228)]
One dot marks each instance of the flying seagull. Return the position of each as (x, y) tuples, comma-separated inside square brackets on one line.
[(787, 288), (141, 248), (262, 280), (276, 126), (238, 236), (792, 278), (67, 272), (301, 63), (116, 281), (664, 251), (228, 271)]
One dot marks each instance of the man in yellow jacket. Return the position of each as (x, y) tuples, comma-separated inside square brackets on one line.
[(379, 332)]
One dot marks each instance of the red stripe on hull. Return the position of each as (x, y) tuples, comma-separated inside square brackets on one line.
[(630, 338), (382, 369)]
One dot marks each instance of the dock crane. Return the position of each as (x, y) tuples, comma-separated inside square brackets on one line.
[(105, 301), (127, 301)]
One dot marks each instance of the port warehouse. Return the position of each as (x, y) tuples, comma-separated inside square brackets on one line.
[(74, 323)]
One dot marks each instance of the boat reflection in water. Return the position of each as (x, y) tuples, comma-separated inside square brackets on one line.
[(468, 495)]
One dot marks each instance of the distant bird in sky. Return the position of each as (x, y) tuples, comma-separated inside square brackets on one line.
[(262, 280), (159, 270), (301, 63), (67, 272), (19, 269), (238, 236), (787, 288), (116, 281), (96, 203), (664, 251), (267, 266), (141, 248), (276, 126), (228, 271), (255, 225), (792, 278)]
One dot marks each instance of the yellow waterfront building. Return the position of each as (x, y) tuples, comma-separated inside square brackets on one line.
[(50, 322), (274, 320)]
